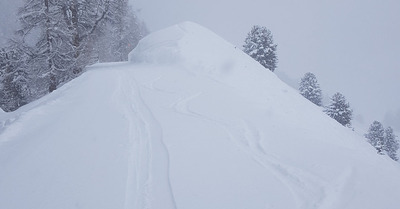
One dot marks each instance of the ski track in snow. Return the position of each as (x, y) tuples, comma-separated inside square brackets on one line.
[(148, 170), (138, 151), (181, 105), (308, 190), (152, 86)]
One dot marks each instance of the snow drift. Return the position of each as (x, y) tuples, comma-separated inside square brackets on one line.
[(190, 122)]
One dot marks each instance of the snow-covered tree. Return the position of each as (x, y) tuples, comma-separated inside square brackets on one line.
[(259, 44), (60, 38), (122, 33), (310, 89), (3, 62), (376, 136), (390, 144), (14, 87), (339, 109), (52, 52), (85, 20), (69, 33)]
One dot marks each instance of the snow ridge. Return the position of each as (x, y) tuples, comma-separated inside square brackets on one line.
[(190, 122)]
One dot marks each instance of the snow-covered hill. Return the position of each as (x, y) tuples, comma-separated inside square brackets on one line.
[(191, 123)]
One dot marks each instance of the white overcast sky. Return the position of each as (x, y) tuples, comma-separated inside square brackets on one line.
[(353, 46)]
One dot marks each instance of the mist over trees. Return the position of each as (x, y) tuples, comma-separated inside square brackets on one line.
[(259, 44), (382, 139), (122, 32), (58, 39)]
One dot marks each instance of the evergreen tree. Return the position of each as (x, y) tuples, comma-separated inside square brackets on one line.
[(14, 89), (69, 30), (310, 89), (3, 62), (375, 136), (58, 39), (85, 20), (339, 109), (260, 46), (52, 52), (390, 145)]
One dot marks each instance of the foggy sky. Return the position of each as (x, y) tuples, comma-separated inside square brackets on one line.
[(352, 46), (8, 22)]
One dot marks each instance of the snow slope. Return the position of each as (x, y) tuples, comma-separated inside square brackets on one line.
[(191, 122)]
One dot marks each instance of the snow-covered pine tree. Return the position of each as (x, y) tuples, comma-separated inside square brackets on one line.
[(390, 145), (339, 109), (376, 136), (53, 55), (60, 38), (85, 20), (14, 90), (310, 89), (68, 33), (3, 61), (259, 44)]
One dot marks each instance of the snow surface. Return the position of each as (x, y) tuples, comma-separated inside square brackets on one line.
[(191, 122)]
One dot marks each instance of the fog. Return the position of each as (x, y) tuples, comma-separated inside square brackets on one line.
[(8, 22), (353, 47)]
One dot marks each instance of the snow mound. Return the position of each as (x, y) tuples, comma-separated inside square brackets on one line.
[(189, 122), (183, 42), (200, 51), (186, 43)]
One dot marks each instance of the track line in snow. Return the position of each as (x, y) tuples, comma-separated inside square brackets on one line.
[(138, 150), (335, 192), (153, 186), (152, 86), (308, 190), (182, 105)]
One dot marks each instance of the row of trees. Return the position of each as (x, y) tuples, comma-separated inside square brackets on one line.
[(58, 39), (260, 46), (384, 140), (338, 109)]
